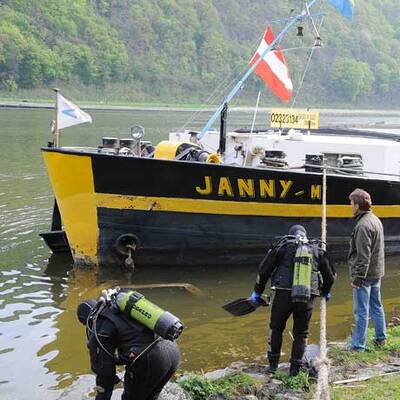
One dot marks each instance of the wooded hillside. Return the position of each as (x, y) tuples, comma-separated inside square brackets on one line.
[(182, 50)]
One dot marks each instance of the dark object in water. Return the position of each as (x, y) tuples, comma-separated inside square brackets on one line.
[(56, 240), (245, 305)]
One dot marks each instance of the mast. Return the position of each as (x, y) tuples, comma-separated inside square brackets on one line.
[(222, 132), (304, 14)]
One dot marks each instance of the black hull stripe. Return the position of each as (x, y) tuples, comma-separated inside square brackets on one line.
[(213, 239)]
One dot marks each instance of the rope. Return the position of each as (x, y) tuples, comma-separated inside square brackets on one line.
[(293, 48), (305, 69), (221, 87)]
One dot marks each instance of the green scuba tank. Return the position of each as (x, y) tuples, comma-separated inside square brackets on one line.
[(136, 306), (302, 273)]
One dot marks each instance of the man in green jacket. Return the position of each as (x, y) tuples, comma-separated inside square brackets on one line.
[(367, 266)]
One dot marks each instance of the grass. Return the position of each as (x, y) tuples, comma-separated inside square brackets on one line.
[(372, 354), (385, 388), (298, 382), (234, 384)]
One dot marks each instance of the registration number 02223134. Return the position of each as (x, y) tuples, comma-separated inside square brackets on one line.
[(294, 119)]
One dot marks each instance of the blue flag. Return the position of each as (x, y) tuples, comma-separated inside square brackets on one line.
[(345, 7)]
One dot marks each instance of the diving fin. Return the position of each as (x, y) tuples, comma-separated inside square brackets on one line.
[(244, 306)]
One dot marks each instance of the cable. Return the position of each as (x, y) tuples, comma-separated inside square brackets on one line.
[(305, 70), (148, 348), (222, 87), (94, 330), (294, 48), (309, 58)]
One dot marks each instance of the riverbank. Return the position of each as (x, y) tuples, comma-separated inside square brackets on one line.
[(25, 104), (367, 375)]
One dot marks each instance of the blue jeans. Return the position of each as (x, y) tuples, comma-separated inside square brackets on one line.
[(367, 301)]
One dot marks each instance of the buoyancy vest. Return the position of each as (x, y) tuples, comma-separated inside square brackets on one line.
[(132, 336), (282, 277)]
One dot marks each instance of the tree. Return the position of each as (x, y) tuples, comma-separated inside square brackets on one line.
[(351, 78), (382, 78)]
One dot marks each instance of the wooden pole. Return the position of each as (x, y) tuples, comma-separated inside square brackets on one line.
[(322, 391), (323, 219)]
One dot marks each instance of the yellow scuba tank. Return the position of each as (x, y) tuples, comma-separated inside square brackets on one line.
[(136, 306), (302, 273)]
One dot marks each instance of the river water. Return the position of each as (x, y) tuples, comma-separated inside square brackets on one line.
[(42, 345)]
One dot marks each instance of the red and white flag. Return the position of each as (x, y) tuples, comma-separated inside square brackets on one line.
[(272, 69)]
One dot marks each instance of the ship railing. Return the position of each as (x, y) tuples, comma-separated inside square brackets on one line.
[(346, 171), (80, 148)]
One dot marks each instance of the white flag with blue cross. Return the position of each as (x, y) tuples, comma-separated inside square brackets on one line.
[(70, 114)]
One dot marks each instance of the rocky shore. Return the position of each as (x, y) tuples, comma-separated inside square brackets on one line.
[(369, 375), (272, 388), (347, 370)]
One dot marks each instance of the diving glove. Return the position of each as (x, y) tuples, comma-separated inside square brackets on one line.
[(255, 297), (328, 297)]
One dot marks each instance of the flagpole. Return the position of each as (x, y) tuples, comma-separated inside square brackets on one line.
[(233, 92), (56, 131), (255, 112)]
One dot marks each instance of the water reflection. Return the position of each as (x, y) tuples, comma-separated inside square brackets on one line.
[(27, 317)]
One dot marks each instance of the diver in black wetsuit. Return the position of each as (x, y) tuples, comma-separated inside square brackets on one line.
[(115, 339), (278, 265)]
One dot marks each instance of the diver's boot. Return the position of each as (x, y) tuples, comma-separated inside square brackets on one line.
[(273, 367), (273, 359), (295, 368), (293, 371)]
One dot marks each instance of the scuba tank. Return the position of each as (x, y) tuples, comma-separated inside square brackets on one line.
[(136, 306), (302, 272)]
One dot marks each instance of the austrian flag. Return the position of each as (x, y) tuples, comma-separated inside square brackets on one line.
[(272, 69)]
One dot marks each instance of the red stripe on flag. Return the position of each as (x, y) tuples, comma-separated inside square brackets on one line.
[(269, 38), (266, 73), (271, 80)]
